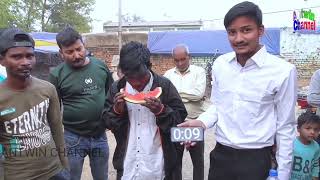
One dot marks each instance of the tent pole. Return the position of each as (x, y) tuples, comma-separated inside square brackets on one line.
[(120, 26)]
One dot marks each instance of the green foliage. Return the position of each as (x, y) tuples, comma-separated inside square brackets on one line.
[(7, 14), (73, 13), (46, 15)]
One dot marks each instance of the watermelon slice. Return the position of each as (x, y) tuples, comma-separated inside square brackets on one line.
[(139, 97)]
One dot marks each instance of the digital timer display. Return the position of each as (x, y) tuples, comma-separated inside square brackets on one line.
[(181, 134)]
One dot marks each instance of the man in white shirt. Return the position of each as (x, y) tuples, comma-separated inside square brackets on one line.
[(254, 97), (190, 81)]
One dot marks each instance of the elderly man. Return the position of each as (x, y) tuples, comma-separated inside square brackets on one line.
[(190, 81)]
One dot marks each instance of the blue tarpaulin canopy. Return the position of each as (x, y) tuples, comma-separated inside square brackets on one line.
[(45, 42), (204, 43)]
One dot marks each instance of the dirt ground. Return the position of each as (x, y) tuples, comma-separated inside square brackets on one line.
[(187, 166)]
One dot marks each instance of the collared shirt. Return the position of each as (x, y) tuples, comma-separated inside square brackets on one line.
[(3, 73), (191, 86), (144, 156), (254, 104)]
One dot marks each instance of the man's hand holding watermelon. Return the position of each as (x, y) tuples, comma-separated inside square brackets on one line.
[(119, 103), (154, 105)]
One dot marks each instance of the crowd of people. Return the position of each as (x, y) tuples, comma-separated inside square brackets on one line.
[(48, 128)]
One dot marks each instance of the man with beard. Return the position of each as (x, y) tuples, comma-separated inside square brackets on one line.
[(30, 122), (82, 84), (254, 97)]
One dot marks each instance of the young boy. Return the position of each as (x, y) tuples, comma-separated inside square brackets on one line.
[(306, 149)]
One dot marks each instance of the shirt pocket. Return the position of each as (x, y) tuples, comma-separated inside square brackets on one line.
[(250, 105)]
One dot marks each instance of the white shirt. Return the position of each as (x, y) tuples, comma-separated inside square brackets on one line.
[(192, 82), (144, 156), (254, 104), (191, 86), (3, 71)]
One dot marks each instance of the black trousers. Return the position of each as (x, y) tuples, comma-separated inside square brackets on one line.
[(197, 158), (227, 163)]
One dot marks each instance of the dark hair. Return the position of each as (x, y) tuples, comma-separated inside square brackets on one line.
[(4, 52), (67, 37), (14, 37), (245, 8), (134, 56), (308, 117)]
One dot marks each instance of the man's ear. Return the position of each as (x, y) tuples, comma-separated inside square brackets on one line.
[(1, 60), (61, 54), (261, 30)]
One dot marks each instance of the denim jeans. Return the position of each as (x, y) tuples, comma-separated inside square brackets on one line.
[(62, 175), (78, 147)]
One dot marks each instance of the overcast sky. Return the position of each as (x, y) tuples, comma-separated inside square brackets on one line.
[(181, 10)]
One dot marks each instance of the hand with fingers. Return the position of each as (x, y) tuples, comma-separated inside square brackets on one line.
[(154, 105), (119, 103), (191, 123)]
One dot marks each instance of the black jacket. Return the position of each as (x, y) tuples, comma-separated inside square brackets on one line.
[(173, 114)]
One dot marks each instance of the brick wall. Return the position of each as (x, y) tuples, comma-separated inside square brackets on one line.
[(161, 63), (303, 50), (105, 47), (106, 54)]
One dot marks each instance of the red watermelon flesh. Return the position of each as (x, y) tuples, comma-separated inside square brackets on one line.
[(139, 97)]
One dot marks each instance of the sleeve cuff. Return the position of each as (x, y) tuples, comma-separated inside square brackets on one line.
[(283, 175), (207, 120)]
